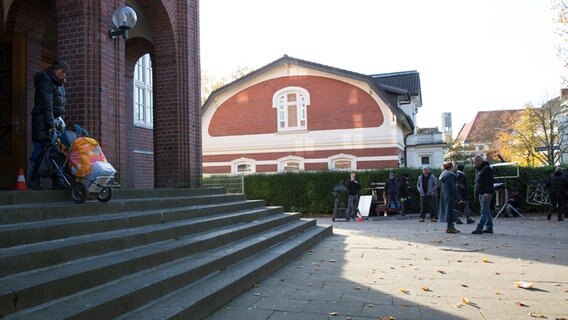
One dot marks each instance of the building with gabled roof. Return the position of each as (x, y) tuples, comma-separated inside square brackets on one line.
[(294, 115)]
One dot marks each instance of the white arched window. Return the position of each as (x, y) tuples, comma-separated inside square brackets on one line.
[(291, 104), (342, 162), (290, 164), (143, 96), (243, 166)]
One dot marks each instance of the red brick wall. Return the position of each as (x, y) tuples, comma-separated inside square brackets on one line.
[(333, 105)]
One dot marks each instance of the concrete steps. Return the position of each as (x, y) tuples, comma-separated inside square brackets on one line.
[(80, 263)]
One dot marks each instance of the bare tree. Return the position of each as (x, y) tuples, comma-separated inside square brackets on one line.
[(211, 82)]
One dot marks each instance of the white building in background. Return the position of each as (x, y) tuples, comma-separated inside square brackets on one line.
[(425, 148)]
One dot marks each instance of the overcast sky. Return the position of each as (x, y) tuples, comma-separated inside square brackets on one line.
[(471, 55)]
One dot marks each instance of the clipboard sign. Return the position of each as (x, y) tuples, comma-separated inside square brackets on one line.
[(365, 205)]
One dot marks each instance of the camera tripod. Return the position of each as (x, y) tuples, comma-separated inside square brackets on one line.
[(507, 205)]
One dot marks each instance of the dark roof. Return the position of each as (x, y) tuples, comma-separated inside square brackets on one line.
[(378, 88), (408, 80)]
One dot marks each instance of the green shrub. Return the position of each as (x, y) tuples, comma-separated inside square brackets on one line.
[(311, 192)]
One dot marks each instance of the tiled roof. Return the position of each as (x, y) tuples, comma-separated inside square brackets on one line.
[(481, 130), (408, 80)]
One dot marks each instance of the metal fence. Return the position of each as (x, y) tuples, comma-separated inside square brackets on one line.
[(233, 183)]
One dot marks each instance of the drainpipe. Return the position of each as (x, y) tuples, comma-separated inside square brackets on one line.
[(406, 137)]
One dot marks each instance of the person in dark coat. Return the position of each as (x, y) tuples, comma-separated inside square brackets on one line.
[(404, 194), (353, 187), (515, 201), (484, 189), (557, 186), (48, 112), (391, 192), (449, 195), (461, 183)]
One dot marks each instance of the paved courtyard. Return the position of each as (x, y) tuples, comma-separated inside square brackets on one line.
[(403, 269)]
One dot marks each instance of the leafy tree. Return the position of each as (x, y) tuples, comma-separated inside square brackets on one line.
[(458, 153), (536, 128)]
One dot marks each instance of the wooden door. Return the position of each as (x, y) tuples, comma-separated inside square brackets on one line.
[(13, 108)]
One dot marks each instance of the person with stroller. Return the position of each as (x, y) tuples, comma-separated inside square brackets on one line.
[(353, 186), (47, 114)]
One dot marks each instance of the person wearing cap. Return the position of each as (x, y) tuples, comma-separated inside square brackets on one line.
[(48, 112), (557, 186), (426, 185)]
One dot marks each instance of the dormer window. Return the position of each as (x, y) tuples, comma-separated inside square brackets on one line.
[(291, 104)]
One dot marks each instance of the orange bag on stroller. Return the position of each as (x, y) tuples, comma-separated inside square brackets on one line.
[(84, 153)]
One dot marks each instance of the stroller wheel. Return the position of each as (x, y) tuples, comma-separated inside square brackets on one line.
[(79, 192), (105, 194)]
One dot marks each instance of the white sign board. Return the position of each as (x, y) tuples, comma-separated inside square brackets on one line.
[(365, 205)]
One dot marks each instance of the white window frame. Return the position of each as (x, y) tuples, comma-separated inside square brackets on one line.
[(281, 104), (342, 157), (143, 95), (283, 161), (243, 161)]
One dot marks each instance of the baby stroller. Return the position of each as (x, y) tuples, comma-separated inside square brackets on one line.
[(79, 161)]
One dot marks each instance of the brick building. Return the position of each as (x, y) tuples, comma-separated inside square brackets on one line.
[(295, 115), (152, 137)]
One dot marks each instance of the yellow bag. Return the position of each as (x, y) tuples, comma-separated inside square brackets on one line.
[(84, 153)]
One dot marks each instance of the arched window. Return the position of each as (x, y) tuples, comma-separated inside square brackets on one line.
[(243, 166), (143, 96), (342, 162), (290, 164), (291, 104)]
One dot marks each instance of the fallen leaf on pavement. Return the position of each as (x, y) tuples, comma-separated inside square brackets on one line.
[(333, 314), (425, 288), (405, 291), (520, 304), (537, 315), (524, 284), (465, 300), (441, 271), (486, 260), (388, 318), (331, 260)]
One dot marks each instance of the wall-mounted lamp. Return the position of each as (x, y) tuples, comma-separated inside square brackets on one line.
[(123, 18)]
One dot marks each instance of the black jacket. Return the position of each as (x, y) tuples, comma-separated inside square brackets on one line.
[(353, 187), (484, 178), (49, 103), (557, 184)]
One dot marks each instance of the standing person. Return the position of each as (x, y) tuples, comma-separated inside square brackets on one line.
[(48, 111), (426, 186), (353, 187), (403, 193), (484, 190), (461, 183), (391, 191), (449, 194), (557, 187)]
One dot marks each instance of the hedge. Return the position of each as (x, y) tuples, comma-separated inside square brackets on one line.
[(311, 192)]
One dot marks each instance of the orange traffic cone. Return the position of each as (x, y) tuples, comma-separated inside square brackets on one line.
[(21, 182)]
